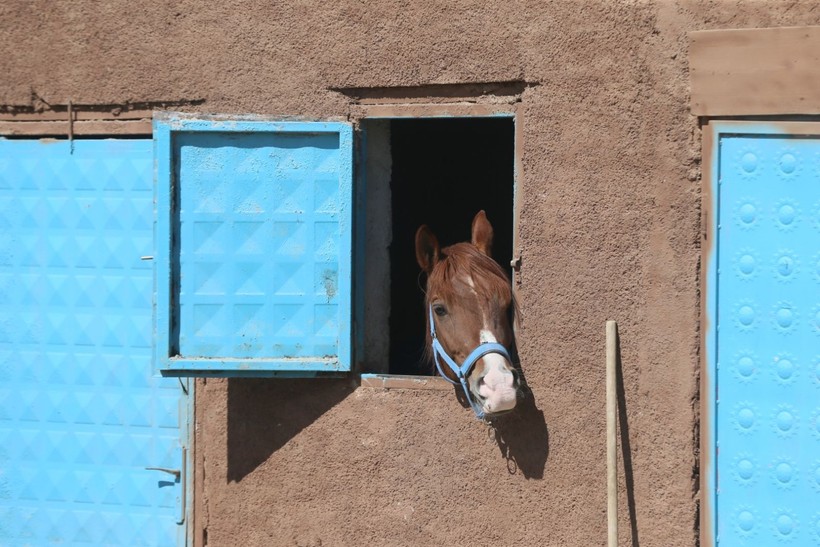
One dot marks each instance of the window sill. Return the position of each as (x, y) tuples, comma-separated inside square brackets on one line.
[(398, 381)]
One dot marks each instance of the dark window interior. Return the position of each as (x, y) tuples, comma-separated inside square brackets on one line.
[(443, 172)]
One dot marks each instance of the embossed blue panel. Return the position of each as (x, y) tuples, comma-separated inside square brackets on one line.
[(768, 341), (259, 228), (81, 414)]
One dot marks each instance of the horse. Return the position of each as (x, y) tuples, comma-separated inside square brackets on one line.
[(469, 306)]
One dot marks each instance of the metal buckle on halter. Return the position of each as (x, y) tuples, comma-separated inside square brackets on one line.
[(464, 369)]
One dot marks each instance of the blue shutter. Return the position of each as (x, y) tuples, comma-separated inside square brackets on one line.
[(254, 221)]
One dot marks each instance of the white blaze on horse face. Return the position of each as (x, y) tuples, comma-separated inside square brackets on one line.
[(494, 382)]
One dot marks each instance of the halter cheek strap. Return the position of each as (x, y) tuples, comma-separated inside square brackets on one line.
[(463, 370)]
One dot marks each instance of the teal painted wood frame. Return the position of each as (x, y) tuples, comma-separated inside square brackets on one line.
[(179, 351)]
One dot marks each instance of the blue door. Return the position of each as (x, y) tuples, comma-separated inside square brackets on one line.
[(92, 440), (764, 345)]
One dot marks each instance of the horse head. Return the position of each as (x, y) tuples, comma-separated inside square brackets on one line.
[(469, 308)]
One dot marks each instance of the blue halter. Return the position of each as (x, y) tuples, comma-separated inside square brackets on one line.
[(463, 371)]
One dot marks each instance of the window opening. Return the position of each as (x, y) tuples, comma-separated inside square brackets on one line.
[(432, 171)]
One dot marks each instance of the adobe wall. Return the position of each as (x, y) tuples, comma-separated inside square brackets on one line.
[(609, 229)]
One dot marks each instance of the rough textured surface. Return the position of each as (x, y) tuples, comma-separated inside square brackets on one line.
[(609, 230), (783, 79)]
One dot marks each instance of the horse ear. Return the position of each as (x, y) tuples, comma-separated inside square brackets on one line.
[(427, 249), (482, 233)]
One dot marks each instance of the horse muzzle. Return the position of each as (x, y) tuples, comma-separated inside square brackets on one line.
[(497, 387)]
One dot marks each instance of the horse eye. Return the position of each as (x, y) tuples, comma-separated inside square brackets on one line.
[(440, 310)]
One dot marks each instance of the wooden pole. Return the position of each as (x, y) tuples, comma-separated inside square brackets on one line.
[(611, 433)]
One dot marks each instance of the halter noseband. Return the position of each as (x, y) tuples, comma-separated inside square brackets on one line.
[(463, 371)]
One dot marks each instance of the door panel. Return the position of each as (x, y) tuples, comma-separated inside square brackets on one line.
[(768, 340), (81, 412)]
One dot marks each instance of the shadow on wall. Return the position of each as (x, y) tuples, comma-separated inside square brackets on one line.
[(626, 448), (264, 414), (523, 438)]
